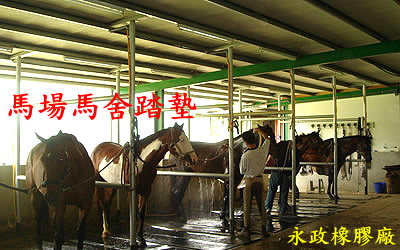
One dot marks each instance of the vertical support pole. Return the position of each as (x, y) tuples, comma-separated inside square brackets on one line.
[(18, 149), (364, 93), (159, 123), (230, 122), (293, 124), (335, 152), (240, 111), (132, 160), (279, 115), (188, 120), (117, 89), (111, 121)]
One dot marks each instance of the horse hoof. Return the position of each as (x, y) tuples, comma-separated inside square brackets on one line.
[(141, 242), (225, 224), (105, 234)]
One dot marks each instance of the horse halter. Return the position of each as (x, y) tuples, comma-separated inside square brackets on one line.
[(66, 173), (175, 144)]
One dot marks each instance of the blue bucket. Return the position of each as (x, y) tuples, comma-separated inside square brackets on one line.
[(380, 187)]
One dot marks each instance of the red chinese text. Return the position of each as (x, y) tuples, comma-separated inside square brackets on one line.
[(179, 102), (117, 105), (21, 106)]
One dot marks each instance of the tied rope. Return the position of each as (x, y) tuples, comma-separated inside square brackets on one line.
[(67, 189), (133, 118)]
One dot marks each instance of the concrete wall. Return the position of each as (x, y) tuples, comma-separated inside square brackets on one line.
[(384, 116)]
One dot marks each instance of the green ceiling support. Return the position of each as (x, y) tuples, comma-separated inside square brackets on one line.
[(342, 95), (314, 59)]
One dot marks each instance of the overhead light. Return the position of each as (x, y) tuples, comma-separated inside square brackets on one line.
[(288, 56), (202, 33), (6, 49), (156, 17), (159, 71), (91, 63), (100, 5), (331, 69)]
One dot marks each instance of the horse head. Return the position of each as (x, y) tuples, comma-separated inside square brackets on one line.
[(307, 142), (268, 130), (364, 148), (180, 146), (54, 166)]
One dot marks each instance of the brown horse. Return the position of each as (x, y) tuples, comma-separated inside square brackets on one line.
[(346, 146), (214, 159), (281, 153), (151, 151), (59, 172)]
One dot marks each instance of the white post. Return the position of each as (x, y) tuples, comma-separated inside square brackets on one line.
[(293, 124), (364, 93), (18, 149), (335, 152), (132, 160), (279, 121), (230, 122), (118, 87), (240, 111), (188, 120)]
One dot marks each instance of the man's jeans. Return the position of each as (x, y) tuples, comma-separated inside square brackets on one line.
[(278, 178)]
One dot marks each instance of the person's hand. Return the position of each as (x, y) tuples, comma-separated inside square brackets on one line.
[(256, 130)]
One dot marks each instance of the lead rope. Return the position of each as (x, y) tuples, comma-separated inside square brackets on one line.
[(67, 189), (134, 131)]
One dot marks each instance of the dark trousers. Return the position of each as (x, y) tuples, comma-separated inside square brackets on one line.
[(278, 178)]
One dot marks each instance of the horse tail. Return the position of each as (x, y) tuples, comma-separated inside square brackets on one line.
[(46, 215)]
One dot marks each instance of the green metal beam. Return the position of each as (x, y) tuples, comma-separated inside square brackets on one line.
[(314, 59), (341, 95)]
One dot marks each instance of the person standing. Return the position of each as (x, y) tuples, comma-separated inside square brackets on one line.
[(279, 178), (252, 164)]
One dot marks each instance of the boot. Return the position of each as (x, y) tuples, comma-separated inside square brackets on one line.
[(264, 231)]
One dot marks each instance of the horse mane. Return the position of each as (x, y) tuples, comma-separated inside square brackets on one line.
[(147, 140)]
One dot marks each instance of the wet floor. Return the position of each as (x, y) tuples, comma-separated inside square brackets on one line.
[(205, 231)]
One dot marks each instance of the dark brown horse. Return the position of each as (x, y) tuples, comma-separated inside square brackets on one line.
[(346, 146), (213, 158), (151, 151), (281, 153), (59, 172)]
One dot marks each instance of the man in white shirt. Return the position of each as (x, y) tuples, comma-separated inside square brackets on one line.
[(252, 164)]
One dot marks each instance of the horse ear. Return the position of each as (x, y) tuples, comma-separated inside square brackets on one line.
[(259, 126), (181, 126), (40, 138)]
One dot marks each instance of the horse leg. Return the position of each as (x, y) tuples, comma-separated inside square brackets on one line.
[(142, 210), (83, 214), (330, 187), (177, 194), (58, 218), (106, 207), (41, 210), (224, 210)]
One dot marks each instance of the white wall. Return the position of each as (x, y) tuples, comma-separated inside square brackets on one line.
[(383, 113)]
